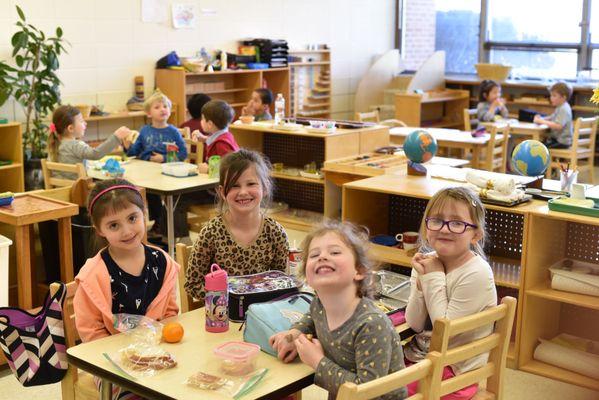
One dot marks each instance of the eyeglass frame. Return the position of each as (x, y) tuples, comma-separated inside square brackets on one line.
[(444, 223)]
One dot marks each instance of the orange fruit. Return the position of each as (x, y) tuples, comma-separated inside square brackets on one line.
[(172, 332)]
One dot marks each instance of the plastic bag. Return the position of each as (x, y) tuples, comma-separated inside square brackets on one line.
[(143, 359), (232, 386), (141, 328)]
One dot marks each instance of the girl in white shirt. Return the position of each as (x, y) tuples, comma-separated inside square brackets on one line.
[(450, 277)]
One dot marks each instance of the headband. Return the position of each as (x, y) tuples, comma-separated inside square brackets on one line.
[(103, 192)]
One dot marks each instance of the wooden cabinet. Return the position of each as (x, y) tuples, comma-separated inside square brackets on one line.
[(311, 83), (233, 86), (11, 149), (433, 109)]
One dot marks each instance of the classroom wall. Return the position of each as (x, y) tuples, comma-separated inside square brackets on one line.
[(420, 32), (110, 45)]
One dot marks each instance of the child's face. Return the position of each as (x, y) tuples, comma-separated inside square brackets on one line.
[(494, 94), (77, 128), (556, 99), (256, 105), (159, 112), (124, 229), (208, 126), (246, 194), (331, 263), (446, 243)]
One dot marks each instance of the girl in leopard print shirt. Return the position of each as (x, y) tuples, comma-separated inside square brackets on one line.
[(241, 239)]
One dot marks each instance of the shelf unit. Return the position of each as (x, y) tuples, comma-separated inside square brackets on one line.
[(233, 86), (549, 312), (438, 109), (311, 83), (11, 149)]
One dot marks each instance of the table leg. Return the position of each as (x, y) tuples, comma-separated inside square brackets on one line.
[(66, 249), (476, 156), (22, 239), (170, 225), (106, 393)]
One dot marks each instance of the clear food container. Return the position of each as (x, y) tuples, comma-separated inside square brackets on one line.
[(237, 358)]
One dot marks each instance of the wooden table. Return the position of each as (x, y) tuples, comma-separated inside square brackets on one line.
[(451, 138), (193, 354), (26, 210), (522, 130), (149, 175)]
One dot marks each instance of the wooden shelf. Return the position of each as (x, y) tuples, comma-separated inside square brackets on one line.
[(316, 105), (240, 104), (544, 291), (235, 71), (11, 166), (297, 178), (308, 51), (309, 63), (391, 255), (443, 124), (234, 90), (506, 272), (553, 372), (297, 222), (584, 108), (312, 113), (441, 99), (116, 115), (529, 103)]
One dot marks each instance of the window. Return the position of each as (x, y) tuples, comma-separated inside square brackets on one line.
[(541, 64), (456, 32)]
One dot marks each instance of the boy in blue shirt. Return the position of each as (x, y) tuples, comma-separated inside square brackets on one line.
[(560, 122)]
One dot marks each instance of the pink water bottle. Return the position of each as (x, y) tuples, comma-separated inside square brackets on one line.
[(217, 300)]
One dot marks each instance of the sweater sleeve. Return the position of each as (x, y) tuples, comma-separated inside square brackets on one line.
[(199, 263), (221, 148), (416, 312), (85, 152), (373, 357), (306, 324), (88, 317), (483, 112)]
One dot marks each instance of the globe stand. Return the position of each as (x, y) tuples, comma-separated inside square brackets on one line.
[(416, 169), (537, 183)]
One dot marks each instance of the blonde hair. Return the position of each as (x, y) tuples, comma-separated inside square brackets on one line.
[(475, 207), (62, 117), (157, 96), (356, 239)]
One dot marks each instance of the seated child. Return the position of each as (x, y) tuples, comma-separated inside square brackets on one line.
[(560, 122), (194, 107), (354, 340), (216, 117), (490, 102), (259, 105)]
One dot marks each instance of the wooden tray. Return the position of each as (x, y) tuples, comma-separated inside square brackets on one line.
[(525, 199), (368, 164)]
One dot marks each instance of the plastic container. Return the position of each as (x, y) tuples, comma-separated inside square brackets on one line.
[(279, 109), (217, 300), (237, 358), (4, 245)]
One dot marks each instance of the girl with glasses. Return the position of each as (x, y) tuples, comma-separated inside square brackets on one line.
[(450, 278)]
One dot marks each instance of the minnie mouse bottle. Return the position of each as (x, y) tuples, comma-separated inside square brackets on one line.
[(217, 300)]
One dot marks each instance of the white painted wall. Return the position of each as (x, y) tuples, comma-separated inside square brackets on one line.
[(110, 44)]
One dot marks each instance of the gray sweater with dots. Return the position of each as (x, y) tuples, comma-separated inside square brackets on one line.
[(364, 348)]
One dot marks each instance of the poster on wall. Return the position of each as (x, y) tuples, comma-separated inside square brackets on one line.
[(154, 11), (184, 16)]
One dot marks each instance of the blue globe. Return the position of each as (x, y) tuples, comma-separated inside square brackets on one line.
[(530, 158), (420, 146)]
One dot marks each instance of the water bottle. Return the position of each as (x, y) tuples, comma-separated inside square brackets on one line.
[(217, 300), (279, 109)]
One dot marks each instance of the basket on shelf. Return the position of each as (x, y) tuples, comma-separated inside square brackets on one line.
[(497, 72), (84, 109)]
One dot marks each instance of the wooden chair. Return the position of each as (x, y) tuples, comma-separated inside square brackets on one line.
[(496, 344), (582, 149), (195, 151), (182, 253), (185, 132), (75, 385), (470, 119), (421, 372), (495, 157), (51, 182), (373, 116)]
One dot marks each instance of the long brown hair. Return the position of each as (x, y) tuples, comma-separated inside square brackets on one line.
[(62, 117)]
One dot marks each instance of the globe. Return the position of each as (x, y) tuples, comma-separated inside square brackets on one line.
[(420, 146), (530, 158)]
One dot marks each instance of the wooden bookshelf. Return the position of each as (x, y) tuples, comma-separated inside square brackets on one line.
[(439, 109), (311, 83), (11, 149)]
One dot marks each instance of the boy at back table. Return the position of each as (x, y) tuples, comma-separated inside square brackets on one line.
[(259, 105), (194, 107), (560, 122)]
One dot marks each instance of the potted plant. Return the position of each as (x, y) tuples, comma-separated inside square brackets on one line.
[(34, 84)]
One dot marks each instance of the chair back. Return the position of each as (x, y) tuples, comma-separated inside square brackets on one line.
[(421, 372), (51, 181), (393, 123), (182, 253), (185, 132), (372, 116), (470, 119), (496, 152), (195, 151), (497, 344), (584, 136)]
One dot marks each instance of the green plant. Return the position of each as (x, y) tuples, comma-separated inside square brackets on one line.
[(33, 81)]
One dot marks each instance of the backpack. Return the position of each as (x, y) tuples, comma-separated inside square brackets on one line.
[(265, 319), (34, 344)]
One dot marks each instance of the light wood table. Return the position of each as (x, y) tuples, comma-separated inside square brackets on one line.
[(522, 130), (149, 175), (451, 138), (26, 210), (193, 354)]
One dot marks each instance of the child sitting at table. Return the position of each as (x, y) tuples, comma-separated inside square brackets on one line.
[(450, 278), (354, 340), (242, 239), (490, 102), (126, 276), (560, 122), (194, 107), (259, 105)]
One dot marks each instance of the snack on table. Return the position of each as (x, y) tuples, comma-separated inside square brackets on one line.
[(238, 358), (153, 358), (205, 381)]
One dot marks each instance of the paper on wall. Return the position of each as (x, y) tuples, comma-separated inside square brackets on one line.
[(153, 11), (184, 16)]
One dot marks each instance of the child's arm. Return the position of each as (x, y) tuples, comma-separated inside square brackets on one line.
[(280, 248), (416, 312), (483, 112), (198, 136), (84, 151), (88, 317), (203, 168), (137, 148), (284, 344), (199, 264), (545, 121)]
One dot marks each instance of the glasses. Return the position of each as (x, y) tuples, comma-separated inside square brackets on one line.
[(436, 224)]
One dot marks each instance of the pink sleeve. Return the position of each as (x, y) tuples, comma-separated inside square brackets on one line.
[(88, 318)]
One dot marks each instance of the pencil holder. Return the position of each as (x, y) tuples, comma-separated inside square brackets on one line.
[(566, 179)]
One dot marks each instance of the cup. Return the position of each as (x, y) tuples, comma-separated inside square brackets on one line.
[(409, 240), (567, 178)]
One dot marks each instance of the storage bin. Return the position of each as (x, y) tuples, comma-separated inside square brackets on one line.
[(4, 245), (497, 72)]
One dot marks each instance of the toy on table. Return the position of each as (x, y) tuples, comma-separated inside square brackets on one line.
[(420, 147), (171, 151), (113, 168), (6, 198)]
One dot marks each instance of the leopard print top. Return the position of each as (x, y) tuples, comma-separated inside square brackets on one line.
[(215, 244)]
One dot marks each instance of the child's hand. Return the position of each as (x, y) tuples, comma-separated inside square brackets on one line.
[(122, 133), (538, 119), (157, 157), (203, 168), (417, 263), (197, 136), (310, 351), (432, 264), (284, 347), (247, 110), (126, 143)]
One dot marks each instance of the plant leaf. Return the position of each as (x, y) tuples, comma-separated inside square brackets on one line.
[(59, 31), (20, 12)]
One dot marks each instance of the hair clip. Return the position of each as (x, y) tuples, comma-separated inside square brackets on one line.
[(52, 127)]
